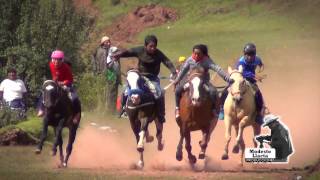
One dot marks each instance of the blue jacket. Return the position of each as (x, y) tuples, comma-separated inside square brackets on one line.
[(249, 69)]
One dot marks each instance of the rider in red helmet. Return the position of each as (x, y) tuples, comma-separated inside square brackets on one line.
[(62, 74)]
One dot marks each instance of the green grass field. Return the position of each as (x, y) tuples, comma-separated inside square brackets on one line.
[(275, 26)]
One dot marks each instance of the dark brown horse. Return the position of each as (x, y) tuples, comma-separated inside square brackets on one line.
[(195, 114), (60, 112), (141, 110)]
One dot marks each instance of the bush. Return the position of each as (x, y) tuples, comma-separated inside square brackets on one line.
[(91, 90)]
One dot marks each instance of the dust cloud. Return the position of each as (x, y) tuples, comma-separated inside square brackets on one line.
[(291, 90)]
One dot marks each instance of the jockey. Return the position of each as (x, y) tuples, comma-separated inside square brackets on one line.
[(250, 61), (150, 59), (181, 61), (199, 57), (62, 74)]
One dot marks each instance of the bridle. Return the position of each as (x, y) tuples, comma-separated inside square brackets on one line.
[(241, 90), (57, 91)]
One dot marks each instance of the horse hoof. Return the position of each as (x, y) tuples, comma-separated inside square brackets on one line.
[(140, 164), (179, 156), (201, 155), (225, 157), (37, 151), (235, 149), (160, 146), (64, 165), (53, 152), (140, 149), (149, 139), (192, 159)]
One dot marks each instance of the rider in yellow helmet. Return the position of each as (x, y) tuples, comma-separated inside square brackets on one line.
[(181, 60)]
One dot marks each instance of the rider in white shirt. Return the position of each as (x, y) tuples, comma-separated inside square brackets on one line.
[(13, 90)]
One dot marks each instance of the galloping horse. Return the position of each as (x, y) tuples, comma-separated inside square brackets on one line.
[(195, 114), (240, 111), (59, 113), (141, 110)]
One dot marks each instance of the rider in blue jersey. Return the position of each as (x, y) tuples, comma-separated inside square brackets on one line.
[(250, 61)]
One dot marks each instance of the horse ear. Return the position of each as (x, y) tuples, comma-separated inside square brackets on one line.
[(240, 69), (229, 70)]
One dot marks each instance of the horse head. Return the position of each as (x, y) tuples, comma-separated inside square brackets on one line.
[(51, 93), (196, 85), (239, 87), (136, 85)]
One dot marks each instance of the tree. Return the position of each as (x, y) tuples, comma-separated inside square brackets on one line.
[(31, 29)]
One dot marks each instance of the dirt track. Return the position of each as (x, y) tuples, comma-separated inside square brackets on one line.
[(290, 90)]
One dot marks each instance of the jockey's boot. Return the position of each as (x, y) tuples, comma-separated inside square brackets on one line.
[(121, 112), (177, 113), (259, 106), (221, 114), (160, 104)]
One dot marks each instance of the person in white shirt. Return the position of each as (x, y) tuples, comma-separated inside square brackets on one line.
[(13, 90)]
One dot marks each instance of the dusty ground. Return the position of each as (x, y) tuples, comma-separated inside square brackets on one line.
[(289, 91)]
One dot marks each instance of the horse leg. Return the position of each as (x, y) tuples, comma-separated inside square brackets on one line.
[(44, 134), (235, 148), (256, 131), (60, 143), (243, 146), (179, 154), (140, 163), (213, 125), (142, 133), (58, 135), (227, 123), (203, 144), (159, 127), (191, 157), (72, 137), (149, 138), (240, 141)]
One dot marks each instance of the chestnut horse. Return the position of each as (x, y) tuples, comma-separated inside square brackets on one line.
[(195, 114), (141, 110), (240, 112)]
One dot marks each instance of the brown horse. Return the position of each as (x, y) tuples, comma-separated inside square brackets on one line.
[(240, 111), (195, 114)]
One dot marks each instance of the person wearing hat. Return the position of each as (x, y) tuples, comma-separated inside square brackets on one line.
[(279, 138), (103, 64)]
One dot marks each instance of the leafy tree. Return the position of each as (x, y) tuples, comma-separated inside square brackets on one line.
[(31, 29)]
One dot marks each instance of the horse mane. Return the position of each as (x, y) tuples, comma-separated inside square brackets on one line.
[(196, 71)]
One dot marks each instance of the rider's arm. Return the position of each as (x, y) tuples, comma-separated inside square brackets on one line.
[(133, 52), (168, 64), (220, 72), (260, 64), (184, 69)]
